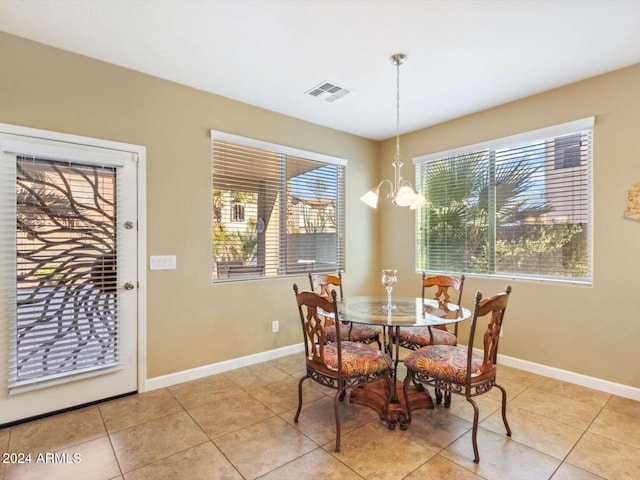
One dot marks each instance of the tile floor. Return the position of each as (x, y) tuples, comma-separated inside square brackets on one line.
[(239, 425)]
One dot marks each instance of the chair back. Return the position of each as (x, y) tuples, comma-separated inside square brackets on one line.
[(314, 324), (325, 281), (444, 283), (495, 306)]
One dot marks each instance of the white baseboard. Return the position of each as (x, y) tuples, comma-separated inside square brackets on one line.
[(619, 389), (212, 369), (571, 377)]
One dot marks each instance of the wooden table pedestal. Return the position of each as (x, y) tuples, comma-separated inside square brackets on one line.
[(374, 395)]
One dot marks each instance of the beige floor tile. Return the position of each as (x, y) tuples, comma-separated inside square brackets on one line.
[(624, 405), (249, 413), (283, 395), (513, 387), (263, 447), (618, 427), (90, 460), (317, 419), (238, 411), (143, 444), (557, 407), (441, 468), (4, 439), (569, 472), (436, 428), (541, 433), (4, 448), (607, 458), (203, 462), (572, 391), (375, 452), (136, 409), (516, 375), (501, 458), (57, 432), (293, 365), (460, 407), (204, 390), (316, 464), (256, 375)]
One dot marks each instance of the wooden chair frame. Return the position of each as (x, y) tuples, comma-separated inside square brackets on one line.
[(444, 283), (325, 281), (315, 343), (484, 379)]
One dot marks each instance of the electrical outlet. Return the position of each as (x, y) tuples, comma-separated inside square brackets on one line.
[(275, 326)]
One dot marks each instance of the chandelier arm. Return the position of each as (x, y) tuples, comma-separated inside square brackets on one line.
[(393, 190)]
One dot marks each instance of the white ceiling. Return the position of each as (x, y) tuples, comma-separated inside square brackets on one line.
[(463, 55)]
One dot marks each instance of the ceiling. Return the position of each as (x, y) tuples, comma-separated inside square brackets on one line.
[(463, 55)]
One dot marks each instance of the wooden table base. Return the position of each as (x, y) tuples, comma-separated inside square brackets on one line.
[(375, 394)]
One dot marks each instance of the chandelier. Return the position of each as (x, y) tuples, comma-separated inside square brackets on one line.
[(402, 192)]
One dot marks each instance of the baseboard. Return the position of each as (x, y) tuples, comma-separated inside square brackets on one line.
[(214, 368), (619, 389)]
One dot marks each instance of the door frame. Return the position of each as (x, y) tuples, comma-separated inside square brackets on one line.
[(141, 200)]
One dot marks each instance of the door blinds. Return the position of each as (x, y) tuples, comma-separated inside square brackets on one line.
[(60, 246)]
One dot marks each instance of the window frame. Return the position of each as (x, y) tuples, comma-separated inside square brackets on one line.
[(284, 153), (512, 141)]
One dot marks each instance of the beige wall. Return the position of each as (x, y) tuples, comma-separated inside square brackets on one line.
[(591, 330), (190, 321)]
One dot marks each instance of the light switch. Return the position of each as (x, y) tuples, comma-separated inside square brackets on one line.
[(162, 262)]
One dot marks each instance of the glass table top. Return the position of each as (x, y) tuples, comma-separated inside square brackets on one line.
[(409, 311)]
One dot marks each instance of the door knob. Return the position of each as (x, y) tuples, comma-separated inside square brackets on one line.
[(129, 286)]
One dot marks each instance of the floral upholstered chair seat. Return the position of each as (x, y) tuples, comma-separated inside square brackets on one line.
[(358, 359), (420, 336), (354, 333), (443, 362)]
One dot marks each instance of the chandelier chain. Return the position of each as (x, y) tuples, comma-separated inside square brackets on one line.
[(397, 111)]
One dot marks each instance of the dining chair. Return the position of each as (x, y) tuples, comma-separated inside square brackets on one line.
[(353, 331), (459, 370), (339, 365), (417, 337)]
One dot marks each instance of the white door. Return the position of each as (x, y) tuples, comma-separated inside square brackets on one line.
[(68, 288)]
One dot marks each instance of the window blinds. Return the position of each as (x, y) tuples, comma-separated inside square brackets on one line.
[(517, 207), (292, 205)]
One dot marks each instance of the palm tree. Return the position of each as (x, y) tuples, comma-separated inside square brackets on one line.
[(458, 229)]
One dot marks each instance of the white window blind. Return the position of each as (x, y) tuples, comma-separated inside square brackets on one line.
[(293, 209), (518, 207)]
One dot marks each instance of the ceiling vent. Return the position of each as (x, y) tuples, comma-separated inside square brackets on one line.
[(330, 92)]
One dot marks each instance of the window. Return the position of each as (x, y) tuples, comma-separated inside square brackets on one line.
[(567, 151), (275, 210), (518, 206), (237, 213)]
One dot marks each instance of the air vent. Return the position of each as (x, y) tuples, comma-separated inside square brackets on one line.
[(328, 91)]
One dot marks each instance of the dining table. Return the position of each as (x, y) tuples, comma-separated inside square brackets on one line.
[(406, 312)]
